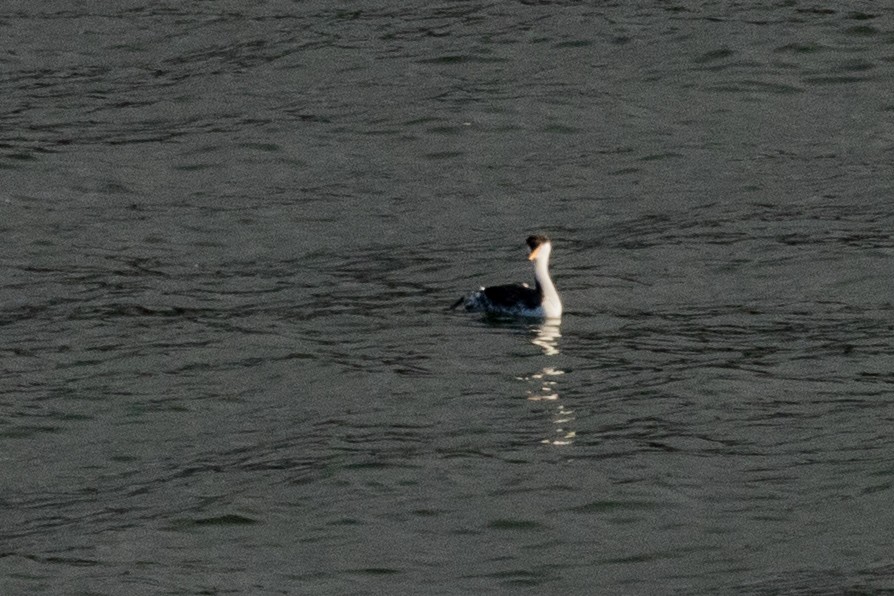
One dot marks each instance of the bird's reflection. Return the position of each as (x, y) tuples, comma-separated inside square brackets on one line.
[(546, 338)]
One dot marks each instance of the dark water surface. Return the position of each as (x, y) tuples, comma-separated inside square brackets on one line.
[(228, 233)]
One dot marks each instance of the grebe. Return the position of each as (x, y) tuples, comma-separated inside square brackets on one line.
[(520, 300)]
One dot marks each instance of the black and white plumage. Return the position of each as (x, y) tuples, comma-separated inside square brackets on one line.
[(520, 300)]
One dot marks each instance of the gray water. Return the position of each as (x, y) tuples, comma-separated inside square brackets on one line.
[(229, 233)]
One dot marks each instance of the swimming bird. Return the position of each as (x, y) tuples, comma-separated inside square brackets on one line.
[(520, 300)]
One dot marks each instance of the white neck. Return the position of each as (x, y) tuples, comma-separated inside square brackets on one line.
[(552, 305)]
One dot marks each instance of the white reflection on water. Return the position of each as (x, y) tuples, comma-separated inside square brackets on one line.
[(547, 339)]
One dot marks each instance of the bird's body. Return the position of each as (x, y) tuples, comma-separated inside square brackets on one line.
[(520, 300)]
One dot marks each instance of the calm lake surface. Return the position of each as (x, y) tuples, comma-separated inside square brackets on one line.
[(229, 234)]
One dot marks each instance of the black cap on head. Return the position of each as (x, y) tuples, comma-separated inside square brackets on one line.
[(536, 240)]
